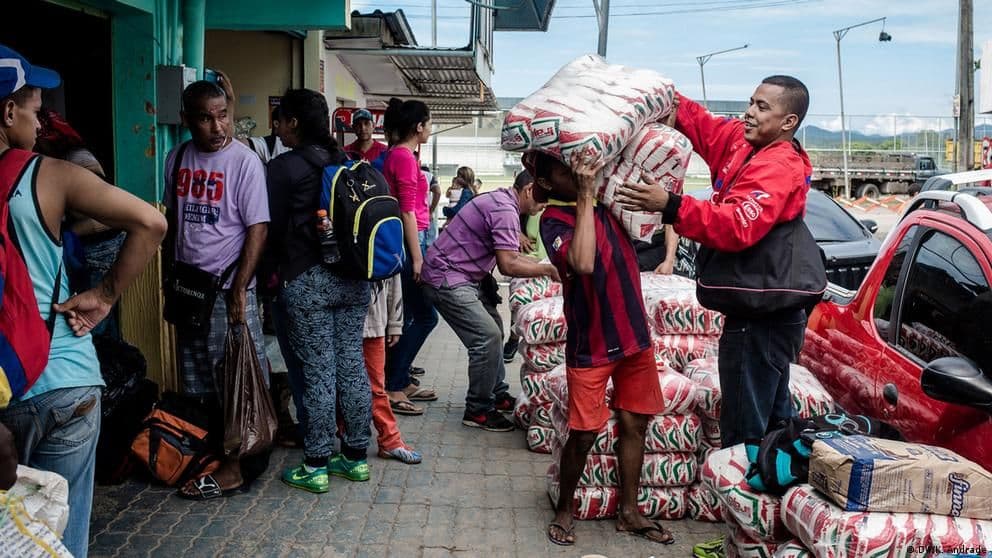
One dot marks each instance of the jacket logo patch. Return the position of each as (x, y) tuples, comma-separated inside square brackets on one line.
[(556, 245), (751, 209), (760, 195)]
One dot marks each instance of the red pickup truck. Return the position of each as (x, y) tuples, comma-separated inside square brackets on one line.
[(913, 345)]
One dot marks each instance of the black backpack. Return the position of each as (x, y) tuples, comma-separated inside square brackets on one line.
[(366, 220), (781, 459)]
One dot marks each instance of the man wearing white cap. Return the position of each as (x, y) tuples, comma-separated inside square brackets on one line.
[(56, 423)]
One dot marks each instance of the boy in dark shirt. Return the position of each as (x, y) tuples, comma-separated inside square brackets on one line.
[(608, 337)]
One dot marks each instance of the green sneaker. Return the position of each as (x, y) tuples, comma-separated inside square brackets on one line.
[(711, 549), (341, 466), (316, 481)]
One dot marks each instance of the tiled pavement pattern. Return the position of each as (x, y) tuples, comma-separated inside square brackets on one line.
[(476, 494)]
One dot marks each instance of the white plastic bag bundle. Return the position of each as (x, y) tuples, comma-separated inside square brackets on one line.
[(610, 113), (657, 151), (589, 106)]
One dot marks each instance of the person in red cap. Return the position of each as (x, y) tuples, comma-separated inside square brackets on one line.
[(364, 147), (57, 422)]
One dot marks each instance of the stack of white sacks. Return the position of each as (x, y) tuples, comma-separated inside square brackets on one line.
[(670, 464), (681, 329), (753, 524), (539, 321), (609, 113)]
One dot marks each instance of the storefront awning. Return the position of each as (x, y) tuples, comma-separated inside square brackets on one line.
[(523, 15), (265, 15), (449, 81)]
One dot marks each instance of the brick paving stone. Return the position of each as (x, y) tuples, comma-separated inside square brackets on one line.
[(476, 494)]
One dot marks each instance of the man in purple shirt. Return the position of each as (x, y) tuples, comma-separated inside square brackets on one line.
[(485, 234)]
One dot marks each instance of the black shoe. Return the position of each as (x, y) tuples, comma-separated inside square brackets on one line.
[(491, 421), (505, 403), (510, 350), (417, 371)]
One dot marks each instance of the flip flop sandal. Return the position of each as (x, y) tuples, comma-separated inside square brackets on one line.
[(207, 488), (405, 408), (422, 394), (417, 371), (643, 533), (563, 541)]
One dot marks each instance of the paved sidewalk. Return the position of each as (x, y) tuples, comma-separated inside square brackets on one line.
[(476, 494)]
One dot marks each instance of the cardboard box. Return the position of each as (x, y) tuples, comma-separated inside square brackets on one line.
[(870, 474)]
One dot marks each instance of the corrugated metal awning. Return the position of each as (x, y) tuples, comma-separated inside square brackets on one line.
[(448, 80)]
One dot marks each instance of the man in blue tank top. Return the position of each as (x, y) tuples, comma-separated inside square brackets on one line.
[(57, 422)]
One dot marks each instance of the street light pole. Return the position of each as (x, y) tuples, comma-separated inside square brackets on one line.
[(839, 34), (706, 58), (603, 17)]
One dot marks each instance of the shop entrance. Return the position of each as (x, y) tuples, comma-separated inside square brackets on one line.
[(76, 44)]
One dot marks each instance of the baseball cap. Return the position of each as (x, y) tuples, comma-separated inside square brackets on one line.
[(16, 72), (361, 114)]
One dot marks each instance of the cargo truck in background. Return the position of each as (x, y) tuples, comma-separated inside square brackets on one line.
[(871, 173)]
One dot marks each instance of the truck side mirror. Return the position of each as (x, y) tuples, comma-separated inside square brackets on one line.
[(871, 225), (957, 380)]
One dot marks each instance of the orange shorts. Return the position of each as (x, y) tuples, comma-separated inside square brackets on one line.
[(635, 389)]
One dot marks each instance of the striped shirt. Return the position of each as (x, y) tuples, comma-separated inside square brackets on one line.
[(604, 310), (465, 251)]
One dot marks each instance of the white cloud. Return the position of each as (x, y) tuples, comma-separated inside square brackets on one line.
[(832, 124), (883, 124)]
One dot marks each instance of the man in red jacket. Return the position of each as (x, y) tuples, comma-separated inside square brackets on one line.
[(760, 179)]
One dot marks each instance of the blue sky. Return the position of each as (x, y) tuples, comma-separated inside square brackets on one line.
[(911, 76)]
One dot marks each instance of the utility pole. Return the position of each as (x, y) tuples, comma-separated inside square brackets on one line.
[(844, 139), (965, 159), (603, 17), (706, 58)]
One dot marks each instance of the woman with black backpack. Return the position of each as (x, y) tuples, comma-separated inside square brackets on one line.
[(324, 311)]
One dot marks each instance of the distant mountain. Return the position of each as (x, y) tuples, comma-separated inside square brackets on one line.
[(814, 136)]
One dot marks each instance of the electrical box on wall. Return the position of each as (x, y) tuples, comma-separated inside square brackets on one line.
[(170, 82)]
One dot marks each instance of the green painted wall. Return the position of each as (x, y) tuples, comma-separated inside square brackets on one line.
[(135, 131), (268, 15)]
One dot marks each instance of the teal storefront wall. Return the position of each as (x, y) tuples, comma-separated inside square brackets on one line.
[(146, 33)]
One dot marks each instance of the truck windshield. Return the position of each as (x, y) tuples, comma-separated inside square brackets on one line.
[(829, 222)]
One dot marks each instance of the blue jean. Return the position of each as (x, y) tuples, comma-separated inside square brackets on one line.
[(480, 328), (755, 354), (100, 257), (326, 318), (419, 320), (57, 431)]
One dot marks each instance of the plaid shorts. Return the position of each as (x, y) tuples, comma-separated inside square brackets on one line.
[(201, 353)]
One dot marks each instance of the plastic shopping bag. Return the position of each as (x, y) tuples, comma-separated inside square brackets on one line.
[(249, 416)]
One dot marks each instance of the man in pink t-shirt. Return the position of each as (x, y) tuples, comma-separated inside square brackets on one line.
[(217, 198), (364, 147)]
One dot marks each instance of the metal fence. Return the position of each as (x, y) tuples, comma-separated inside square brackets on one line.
[(923, 135)]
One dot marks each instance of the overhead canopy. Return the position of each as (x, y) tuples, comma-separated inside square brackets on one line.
[(277, 16), (522, 15), (382, 54), (448, 81)]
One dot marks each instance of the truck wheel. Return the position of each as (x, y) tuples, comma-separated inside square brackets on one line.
[(867, 190)]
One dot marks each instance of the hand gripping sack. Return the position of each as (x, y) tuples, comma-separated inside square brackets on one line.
[(25, 337), (366, 220), (249, 417)]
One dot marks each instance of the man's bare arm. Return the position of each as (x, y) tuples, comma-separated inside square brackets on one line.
[(63, 187)]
